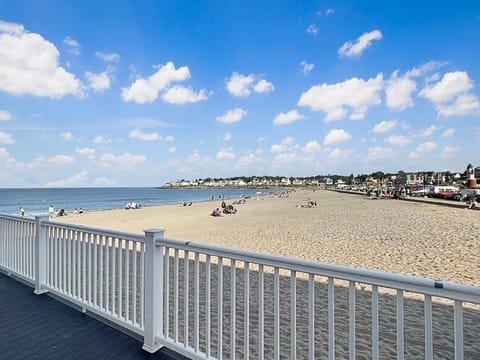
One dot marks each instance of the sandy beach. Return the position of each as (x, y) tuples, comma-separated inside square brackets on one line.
[(389, 235)]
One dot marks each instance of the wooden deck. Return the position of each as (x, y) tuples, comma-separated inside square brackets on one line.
[(41, 327)]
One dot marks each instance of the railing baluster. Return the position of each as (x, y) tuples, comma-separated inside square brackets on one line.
[(134, 283), (375, 345), (276, 314), (428, 327), (186, 299), (207, 305), (311, 317), (64, 260), (220, 309), (89, 268), (458, 329), (68, 240), (167, 290), (196, 305), (120, 278), (246, 311), (233, 302), (73, 264), (101, 272), (261, 312), (293, 314), (175, 296), (142, 287), (400, 326), (108, 275), (84, 266), (95, 270), (351, 321), (114, 274), (127, 280), (331, 319)]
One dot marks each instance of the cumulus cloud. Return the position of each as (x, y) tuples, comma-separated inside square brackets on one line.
[(284, 144), (306, 67), (144, 136), (98, 82), (172, 150), (227, 137), (427, 132), (180, 95), (102, 140), (5, 115), (379, 153), (400, 140), (288, 117), (67, 136), (384, 126), (338, 155), (125, 160), (78, 179), (72, 45), (29, 65), (104, 181), (146, 90), (399, 92), (356, 48), (226, 154), (312, 29), (263, 87), (449, 151), (240, 85), (6, 138), (449, 132), (108, 57), (422, 149), (336, 136), (312, 147), (350, 98), (61, 160), (451, 96), (85, 151), (232, 116)]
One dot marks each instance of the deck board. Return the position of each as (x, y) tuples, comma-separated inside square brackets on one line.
[(41, 327)]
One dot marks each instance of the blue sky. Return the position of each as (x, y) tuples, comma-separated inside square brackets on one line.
[(139, 93)]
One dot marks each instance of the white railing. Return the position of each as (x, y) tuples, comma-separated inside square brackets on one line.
[(212, 302)]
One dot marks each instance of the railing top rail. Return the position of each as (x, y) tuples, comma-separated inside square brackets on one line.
[(19, 218), (97, 231), (445, 289)]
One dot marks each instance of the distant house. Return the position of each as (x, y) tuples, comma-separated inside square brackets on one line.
[(328, 181)]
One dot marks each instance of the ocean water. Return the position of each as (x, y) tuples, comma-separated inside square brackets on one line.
[(37, 201)]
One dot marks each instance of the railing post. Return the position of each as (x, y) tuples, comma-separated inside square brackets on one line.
[(153, 289), (40, 254)]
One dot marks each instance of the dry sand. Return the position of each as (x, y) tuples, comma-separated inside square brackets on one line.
[(389, 235)]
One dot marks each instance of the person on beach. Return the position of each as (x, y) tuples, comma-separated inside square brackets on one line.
[(216, 212), (22, 211), (51, 210)]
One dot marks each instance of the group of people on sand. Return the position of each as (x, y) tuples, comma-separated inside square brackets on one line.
[(132, 205), (226, 209), (56, 213), (309, 204)]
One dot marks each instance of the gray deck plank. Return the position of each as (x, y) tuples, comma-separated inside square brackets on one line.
[(41, 327)]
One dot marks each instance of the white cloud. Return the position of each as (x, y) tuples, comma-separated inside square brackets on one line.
[(6, 139), (78, 179), (379, 153), (226, 154), (168, 138), (227, 137), (180, 95), (311, 147), (449, 132), (29, 65), (73, 45), (336, 136), (335, 99), (102, 140), (329, 11), (61, 160), (240, 85), (284, 144), (125, 160), (85, 151), (104, 181), (5, 115), (67, 136), (337, 155), (422, 149), (263, 87), (287, 118), (98, 82), (313, 29), (451, 96), (400, 140), (384, 126), (306, 67), (399, 92), (232, 116), (427, 132), (449, 151), (172, 150), (140, 135), (354, 49), (145, 90), (108, 57)]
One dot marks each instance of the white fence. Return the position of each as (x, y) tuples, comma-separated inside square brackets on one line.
[(212, 302)]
